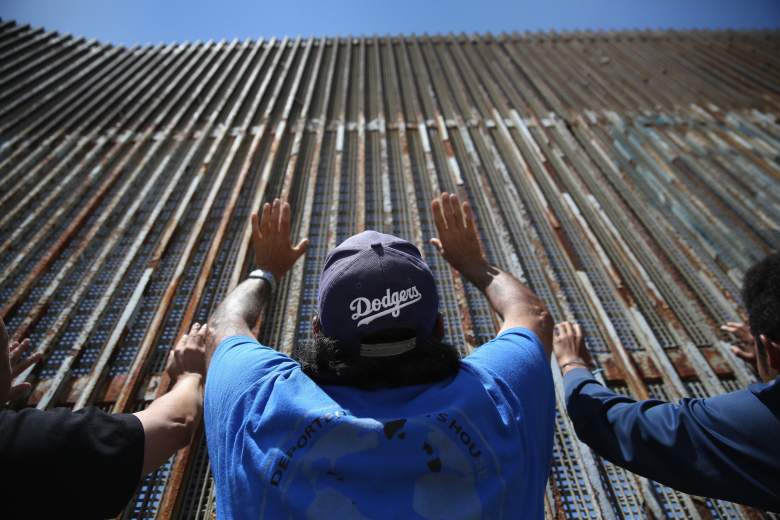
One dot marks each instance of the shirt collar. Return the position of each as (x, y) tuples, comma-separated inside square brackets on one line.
[(768, 393)]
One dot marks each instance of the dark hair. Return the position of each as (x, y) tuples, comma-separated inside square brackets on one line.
[(325, 362), (761, 294)]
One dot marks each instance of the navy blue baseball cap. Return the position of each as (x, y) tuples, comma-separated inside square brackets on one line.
[(374, 282)]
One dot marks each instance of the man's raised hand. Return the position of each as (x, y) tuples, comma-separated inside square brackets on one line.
[(271, 239), (457, 242)]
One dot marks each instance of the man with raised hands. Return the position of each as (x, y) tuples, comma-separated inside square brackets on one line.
[(376, 417)]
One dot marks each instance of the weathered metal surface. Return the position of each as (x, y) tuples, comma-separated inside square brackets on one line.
[(629, 179)]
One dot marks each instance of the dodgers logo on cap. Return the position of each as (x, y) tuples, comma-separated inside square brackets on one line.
[(375, 282)]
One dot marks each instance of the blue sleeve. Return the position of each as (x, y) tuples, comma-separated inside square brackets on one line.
[(516, 357), (721, 447), (237, 365)]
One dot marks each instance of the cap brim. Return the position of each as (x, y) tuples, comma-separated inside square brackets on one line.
[(395, 348)]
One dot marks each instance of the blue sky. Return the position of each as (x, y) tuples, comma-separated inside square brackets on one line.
[(153, 21)]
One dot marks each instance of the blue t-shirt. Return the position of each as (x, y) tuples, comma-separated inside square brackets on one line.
[(474, 445)]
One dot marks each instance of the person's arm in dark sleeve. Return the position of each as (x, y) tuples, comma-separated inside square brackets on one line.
[(722, 447), (61, 464)]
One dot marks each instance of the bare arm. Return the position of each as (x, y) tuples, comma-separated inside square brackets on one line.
[(517, 305), (458, 242), (239, 311), (169, 421)]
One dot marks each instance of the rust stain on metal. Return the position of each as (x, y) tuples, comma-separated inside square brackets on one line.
[(646, 367), (717, 362), (682, 364), (612, 371)]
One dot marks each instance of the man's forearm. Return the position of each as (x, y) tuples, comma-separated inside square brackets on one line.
[(514, 302), (505, 293), (242, 306)]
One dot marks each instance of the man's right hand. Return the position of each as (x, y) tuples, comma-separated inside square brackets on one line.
[(569, 347), (458, 242), (189, 354), (746, 349)]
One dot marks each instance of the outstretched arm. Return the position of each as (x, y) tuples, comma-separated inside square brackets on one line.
[(722, 447), (458, 242), (239, 311), (169, 421)]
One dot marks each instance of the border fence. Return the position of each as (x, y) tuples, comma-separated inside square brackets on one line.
[(630, 178)]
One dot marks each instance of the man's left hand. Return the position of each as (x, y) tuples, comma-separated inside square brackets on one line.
[(16, 365), (271, 239)]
